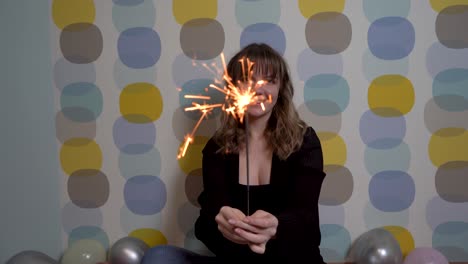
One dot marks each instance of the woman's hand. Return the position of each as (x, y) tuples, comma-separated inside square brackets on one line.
[(257, 229), (226, 216)]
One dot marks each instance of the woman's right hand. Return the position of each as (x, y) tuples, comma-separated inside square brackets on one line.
[(224, 218)]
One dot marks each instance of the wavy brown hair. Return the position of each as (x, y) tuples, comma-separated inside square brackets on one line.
[(285, 129)]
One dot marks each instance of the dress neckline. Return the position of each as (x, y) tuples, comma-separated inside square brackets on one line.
[(236, 171)]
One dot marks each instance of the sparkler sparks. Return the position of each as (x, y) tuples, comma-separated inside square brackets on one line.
[(237, 98)]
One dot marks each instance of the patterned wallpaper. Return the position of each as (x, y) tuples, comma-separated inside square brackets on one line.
[(384, 83)]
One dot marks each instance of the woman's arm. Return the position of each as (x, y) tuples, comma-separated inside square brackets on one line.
[(299, 228), (214, 196)]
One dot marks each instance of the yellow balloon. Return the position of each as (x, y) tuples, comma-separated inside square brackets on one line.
[(150, 236), (403, 237)]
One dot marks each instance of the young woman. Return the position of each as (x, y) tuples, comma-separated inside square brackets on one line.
[(280, 220)]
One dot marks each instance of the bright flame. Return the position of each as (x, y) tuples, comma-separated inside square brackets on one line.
[(237, 98)]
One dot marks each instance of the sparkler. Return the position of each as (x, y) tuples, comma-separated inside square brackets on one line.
[(237, 99)]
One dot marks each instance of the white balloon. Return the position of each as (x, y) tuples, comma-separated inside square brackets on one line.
[(84, 251)]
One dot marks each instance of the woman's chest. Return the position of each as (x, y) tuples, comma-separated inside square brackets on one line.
[(256, 170)]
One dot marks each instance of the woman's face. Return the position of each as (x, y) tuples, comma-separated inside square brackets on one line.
[(267, 90)]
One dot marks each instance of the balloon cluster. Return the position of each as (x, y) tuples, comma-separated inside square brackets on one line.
[(378, 246), (127, 250)]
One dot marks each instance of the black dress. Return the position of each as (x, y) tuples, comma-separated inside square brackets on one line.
[(292, 196)]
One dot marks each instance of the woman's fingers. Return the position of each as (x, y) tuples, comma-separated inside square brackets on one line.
[(227, 230), (264, 226), (245, 226), (238, 214), (255, 230), (222, 222), (231, 213), (262, 219), (257, 248), (263, 222), (253, 238), (231, 236)]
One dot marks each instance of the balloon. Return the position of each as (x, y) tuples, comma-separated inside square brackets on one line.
[(31, 257), (84, 251), (376, 246), (127, 250), (425, 255)]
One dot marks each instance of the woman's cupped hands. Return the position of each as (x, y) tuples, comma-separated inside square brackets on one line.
[(254, 230)]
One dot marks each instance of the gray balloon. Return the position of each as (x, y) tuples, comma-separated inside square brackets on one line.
[(376, 246), (127, 250), (31, 257)]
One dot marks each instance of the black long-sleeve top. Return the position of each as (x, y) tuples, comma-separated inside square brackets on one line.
[(292, 196)]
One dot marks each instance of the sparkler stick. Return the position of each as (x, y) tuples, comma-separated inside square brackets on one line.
[(237, 100), (247, 162)]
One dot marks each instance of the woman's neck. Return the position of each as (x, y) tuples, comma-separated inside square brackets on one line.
[(257, 127)]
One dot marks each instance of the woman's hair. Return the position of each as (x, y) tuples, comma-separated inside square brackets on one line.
[(285, 129)]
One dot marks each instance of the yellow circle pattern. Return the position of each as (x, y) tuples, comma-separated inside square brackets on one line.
[(185, 10), (193, 157), (80, 154), (309, 8), (445, 146), (67, 12), (439, 5), (141, 103), (333, 148), (391, 95)]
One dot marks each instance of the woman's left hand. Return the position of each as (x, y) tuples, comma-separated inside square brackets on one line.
[(258, 229)]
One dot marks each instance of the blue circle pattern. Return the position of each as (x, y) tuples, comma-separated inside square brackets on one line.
[(450, 89), (390, 37), (270, 34), (326, 94), (382, 133), (139, 48), (81, 102), (145, 194), (128, 2), (382, 190)]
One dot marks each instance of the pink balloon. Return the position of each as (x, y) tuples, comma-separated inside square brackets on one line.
[(425, 255)]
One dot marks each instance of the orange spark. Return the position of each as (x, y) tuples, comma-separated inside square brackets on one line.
[(197, 97), (183, 149), (237, 98)]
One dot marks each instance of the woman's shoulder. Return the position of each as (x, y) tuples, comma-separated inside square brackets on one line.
[(311, 139), (211, 147), (310, 153)]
